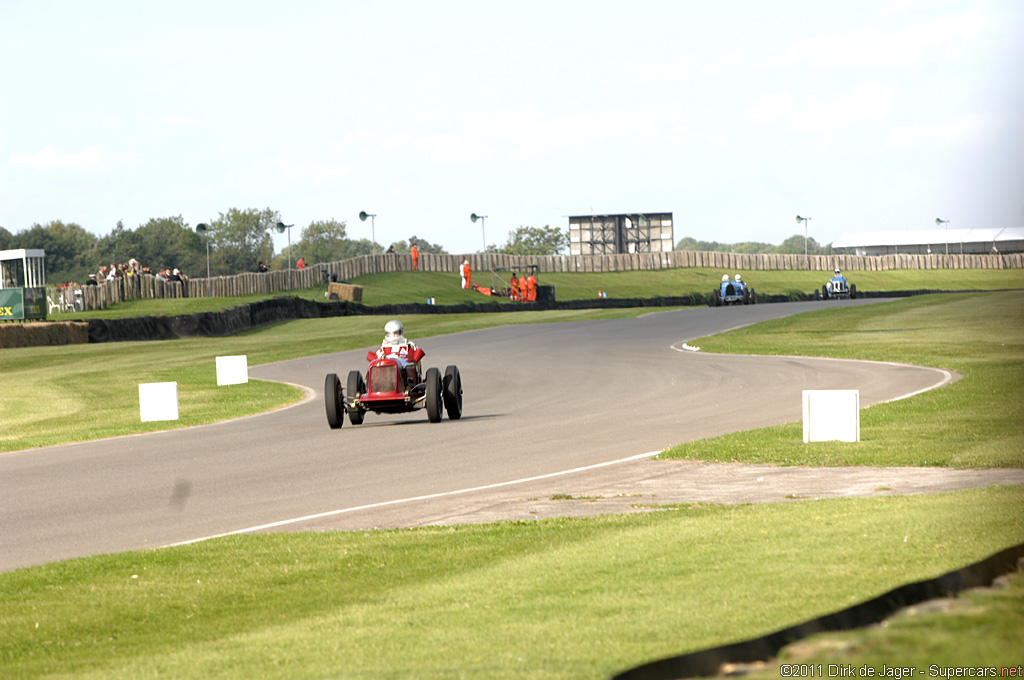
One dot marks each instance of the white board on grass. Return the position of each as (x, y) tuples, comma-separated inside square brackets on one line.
[(158, 401), (232, 370), (831, 415)]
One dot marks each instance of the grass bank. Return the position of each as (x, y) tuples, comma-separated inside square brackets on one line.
[(558, 599), (973, 423)]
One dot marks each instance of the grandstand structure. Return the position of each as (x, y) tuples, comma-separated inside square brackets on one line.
[(621, 234)]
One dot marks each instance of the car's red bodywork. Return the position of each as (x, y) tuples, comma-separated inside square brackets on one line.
[(394, 384), (390, 388)]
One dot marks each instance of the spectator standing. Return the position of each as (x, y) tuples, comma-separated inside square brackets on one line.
[(261, 268), (300, 264), (415, 252), (466, 273)]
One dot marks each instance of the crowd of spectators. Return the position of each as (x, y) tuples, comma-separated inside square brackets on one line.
[(133, 268)]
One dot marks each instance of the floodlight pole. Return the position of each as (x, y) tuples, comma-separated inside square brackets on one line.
[(201, 230), (805, 220), (281, 226), (373, 237), (473, 218), (938, 221)]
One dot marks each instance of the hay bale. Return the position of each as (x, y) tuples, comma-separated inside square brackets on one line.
[(344, 291), (43, 333)]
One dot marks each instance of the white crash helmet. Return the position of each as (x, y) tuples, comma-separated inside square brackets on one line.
[(837, 272), (725, 277), (739, 278), (393, 332)]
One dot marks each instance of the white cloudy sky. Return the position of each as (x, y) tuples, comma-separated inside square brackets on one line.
[(734, 115)]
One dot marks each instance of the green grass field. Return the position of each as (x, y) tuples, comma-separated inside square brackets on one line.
[(572, 598), (973, 423)]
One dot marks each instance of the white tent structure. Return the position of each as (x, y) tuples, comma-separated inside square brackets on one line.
[(933, 241), (22, 268)]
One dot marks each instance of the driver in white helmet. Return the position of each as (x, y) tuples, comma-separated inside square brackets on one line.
[(396, 346)]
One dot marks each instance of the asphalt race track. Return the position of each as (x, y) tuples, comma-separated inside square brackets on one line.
[(538, 399)]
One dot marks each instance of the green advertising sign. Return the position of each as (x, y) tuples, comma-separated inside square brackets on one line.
[(17, 304)]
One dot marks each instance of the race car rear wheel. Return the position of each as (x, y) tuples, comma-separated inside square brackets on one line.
[(824, 292), (452, 392), (716, 298), (332, 400), (355, 388), (853, 292), (434, 397)]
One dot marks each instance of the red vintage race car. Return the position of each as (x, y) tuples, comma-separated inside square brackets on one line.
[(390, 387)]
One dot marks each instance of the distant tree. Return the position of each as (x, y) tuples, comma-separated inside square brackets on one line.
[(161, 242), (794, 245), (692, 244), (753, 247), (6, 239), (322, 241), (546, 240), (68, 248), (242, 239), (423, 245)]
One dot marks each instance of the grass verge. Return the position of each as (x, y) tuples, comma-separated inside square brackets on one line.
[(973, 423), (569, 598), (80, 392)]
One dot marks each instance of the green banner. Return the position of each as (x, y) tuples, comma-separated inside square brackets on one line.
[(12, 304), (17, 304)]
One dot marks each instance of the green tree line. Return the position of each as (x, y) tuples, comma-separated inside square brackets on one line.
[(794, 245), (238, 240)]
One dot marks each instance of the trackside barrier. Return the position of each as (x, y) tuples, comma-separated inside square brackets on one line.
[(831, 415), (707, 663), (158, 401), (145, 286), (256, 314)]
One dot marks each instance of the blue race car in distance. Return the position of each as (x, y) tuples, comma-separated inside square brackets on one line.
[(732, 293), (837, 287)]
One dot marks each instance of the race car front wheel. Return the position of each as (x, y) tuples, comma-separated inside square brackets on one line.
[(355, 388), (452, 385), (332, 400), (434, 397)]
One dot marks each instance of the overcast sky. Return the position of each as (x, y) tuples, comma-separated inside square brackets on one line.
[(734, 116)]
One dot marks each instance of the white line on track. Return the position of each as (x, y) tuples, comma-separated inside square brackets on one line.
[(401, 501), (947, 376)]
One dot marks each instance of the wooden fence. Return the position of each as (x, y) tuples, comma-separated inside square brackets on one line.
[(281, 281)]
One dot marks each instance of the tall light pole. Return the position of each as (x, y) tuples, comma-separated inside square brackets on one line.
[(473, 218), (373, 236), (938, 221), (281, 228), (805, 220), (201, 230)]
